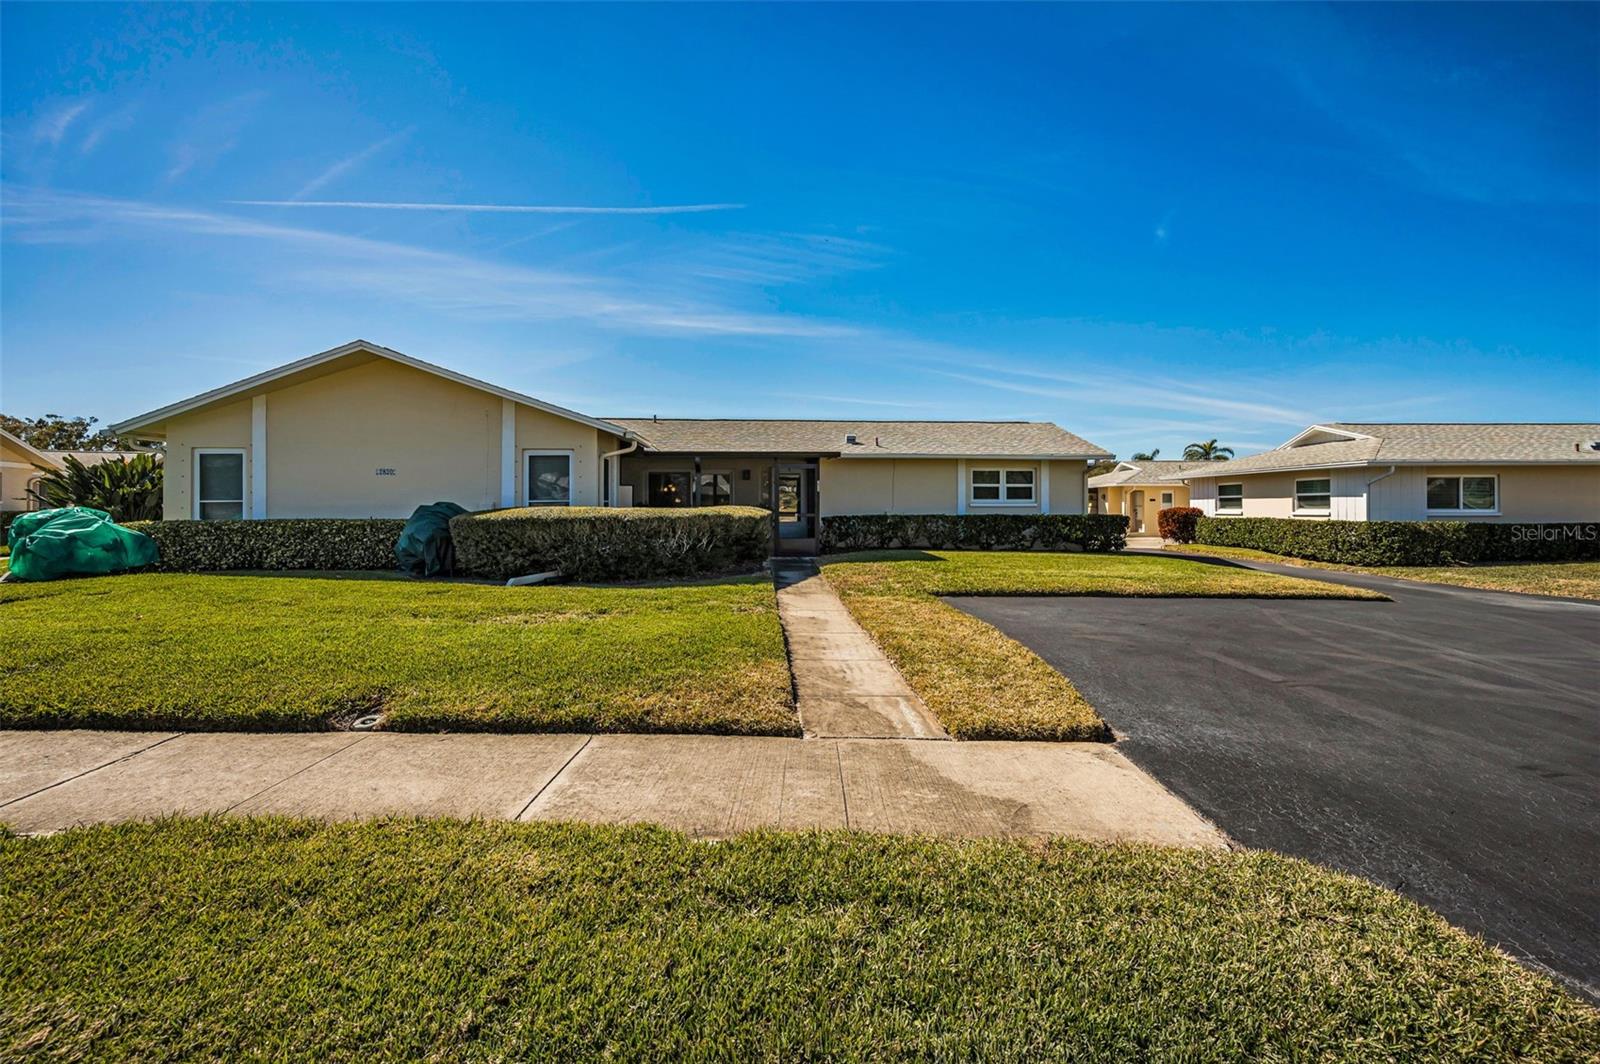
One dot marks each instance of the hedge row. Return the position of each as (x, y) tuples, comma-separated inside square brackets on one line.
[(1403, 542), (289, 543), (852, 532), (596, 543)]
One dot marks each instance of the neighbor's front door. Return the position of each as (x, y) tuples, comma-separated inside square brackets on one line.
[(1136, 512), (794, 502)]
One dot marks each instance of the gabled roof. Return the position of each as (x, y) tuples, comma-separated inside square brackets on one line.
[(353, 348), (1455, 443), (1143, 471), (41, 457), (874, 439)]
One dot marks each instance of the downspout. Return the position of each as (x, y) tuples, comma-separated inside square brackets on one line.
[(615, 485)]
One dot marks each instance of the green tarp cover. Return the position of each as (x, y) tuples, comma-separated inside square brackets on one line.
[(74, 541), (424, 548)]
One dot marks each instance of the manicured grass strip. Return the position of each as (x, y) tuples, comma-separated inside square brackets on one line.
[(1566, 579), (983, 684), (289, 652), (442, 940)]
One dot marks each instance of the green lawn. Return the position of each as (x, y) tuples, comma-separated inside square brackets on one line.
[(983, 684), (1568, 579), (410, 940), (278, 651)]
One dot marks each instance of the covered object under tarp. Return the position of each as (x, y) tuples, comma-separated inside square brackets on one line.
[(74, 541)]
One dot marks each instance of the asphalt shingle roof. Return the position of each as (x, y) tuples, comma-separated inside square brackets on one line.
[(1147, 472), (874, 439), (1407, 444)]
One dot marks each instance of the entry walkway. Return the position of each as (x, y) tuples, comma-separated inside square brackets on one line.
[(844, 685), (702, 784)]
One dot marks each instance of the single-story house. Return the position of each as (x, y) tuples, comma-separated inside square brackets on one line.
[(1140, 488), (365, 431), (1412, 472)]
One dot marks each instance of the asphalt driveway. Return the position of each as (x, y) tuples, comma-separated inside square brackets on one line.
[(1445, 744)]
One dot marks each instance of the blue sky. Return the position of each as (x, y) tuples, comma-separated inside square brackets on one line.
[(1151, 224)]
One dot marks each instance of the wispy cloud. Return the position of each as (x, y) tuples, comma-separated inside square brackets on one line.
[(479, 288), (116, 121), (351, 162), (53, 125), (212, 132), (858, 401), (492, 208)]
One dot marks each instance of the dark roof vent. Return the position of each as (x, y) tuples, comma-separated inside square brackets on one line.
[(850, 438)]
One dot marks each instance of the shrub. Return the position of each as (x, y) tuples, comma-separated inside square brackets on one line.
[(1403, 542), (852, 532), (127, 488), (1177, 523), (292, 543), (599, 543)]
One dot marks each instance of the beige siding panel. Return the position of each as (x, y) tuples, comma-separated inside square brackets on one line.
[(865, 486), (921, 486), (220, 426), (1067, 492), (1527, 493), (538, 430)]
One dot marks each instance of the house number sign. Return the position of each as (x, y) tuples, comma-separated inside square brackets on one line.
[(384, 472)]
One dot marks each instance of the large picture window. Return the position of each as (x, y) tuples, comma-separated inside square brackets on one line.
[(1455, 495), (549, 478), (716, 489), (669, 489), (1001, 487), (219, 485), (1230, 498), (1313, 496)]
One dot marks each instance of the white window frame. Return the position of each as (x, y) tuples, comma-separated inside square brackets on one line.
[(244, 480), (1167, 499), (1033, 486), (527, 480), (1313, 511), (1459, 510), (1231, 510)]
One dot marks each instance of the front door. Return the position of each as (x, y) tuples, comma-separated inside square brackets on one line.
[(1136, 512), (794, 508)]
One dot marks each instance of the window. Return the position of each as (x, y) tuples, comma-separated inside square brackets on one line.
[(549, 480), (1463, 494), (219, 485), (669, 489), (998, 487), (1230, 498), (1313, 496), (1166, 498), (716, 489)]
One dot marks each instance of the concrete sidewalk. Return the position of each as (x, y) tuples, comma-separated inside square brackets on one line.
[(705, 785)]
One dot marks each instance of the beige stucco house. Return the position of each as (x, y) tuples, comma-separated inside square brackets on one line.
[(1412, 472), (21, 466), (1140, 488), (362, 430)]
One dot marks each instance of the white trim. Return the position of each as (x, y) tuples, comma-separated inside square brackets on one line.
[(1168, 499), (354, 347), (23, 445), (508, 454), (961, 486), (194, 487), (1303, 433), (1002, 486), (258, 457), (1460, 511), (1044, 487), (856, 456), (1218, 498), (529, 452)]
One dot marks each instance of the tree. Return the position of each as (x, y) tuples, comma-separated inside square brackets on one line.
[(56, 433), (129, 489), (1143, 456), (1207, 452)]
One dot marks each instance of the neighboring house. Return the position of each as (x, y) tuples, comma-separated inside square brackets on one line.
[(21, 466), (362, 430), (1141, 489), (1413, 472)]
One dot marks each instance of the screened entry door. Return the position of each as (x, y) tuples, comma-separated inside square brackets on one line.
[(795, 506)]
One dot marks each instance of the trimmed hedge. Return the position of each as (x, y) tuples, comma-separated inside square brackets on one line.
[(1404, 542), (853, 532), (598, 543), (1177, 523), (282, 543)]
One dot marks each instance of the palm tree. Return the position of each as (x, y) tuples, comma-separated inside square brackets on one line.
[(1207, 452), (128, 490), (1143, 456)]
